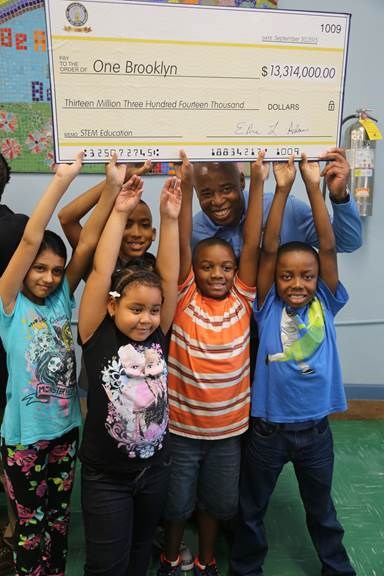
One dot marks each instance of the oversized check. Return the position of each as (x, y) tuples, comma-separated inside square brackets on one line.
[(146, 79)]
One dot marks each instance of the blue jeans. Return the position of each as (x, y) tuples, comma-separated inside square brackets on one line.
[(120, 518), (268, 447), (204, 473)]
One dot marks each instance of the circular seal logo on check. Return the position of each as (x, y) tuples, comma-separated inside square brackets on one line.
[(76, 14)]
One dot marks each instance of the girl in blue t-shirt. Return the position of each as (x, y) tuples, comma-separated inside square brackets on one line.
[(297, 380), (40, 427)]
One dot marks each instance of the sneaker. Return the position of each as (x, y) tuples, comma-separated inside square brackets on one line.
[(210, 569), (186, 558), (169, 568)]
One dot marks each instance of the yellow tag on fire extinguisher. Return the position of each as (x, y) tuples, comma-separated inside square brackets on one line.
[(371, 129)]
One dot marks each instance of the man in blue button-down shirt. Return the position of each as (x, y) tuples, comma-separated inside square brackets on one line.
[(220, 190)]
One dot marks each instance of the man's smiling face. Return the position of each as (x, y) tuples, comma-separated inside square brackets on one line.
[(219, 187)]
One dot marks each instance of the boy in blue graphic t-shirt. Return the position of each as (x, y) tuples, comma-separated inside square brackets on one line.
[(297, 381)]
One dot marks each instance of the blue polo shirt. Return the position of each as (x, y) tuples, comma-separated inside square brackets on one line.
[(297, 225)]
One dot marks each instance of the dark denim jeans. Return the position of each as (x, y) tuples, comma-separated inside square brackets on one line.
[(120, 518), (268, 447), (204, 473)]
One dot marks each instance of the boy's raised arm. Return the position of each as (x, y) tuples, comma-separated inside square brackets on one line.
[(168, 256), (253, 223), (95, 296), (11, 281), (310, 173), (90, 234), (185, 172), (284, 173), (71, 214)]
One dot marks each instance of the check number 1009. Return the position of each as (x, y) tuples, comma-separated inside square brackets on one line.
[(252, 152)]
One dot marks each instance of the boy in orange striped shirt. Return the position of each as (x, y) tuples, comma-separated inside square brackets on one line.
[(209, 382)]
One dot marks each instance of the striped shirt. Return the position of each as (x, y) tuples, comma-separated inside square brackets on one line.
[(208, 379)]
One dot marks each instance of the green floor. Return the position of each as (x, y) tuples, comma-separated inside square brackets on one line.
[(359, 498)]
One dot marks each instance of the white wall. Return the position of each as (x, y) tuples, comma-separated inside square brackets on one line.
[(361, 323)]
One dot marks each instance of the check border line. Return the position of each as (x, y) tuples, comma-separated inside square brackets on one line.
[(203, 143), (193, 43)]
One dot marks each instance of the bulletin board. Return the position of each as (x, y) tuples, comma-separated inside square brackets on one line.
[(25, 109)]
